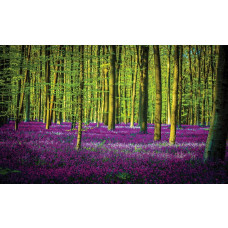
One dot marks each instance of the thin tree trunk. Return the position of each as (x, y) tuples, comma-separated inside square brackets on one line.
[(27, 86), (80, 100), (134, 92), (180, 88), (47, 81)]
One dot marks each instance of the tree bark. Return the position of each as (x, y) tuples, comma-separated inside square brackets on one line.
[(172, 138), (158, 104), (180, 88), (216, 141), (144, 87), (80, 98), (111, 117)]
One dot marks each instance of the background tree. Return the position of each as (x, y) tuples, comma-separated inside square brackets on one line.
[(80, 98)]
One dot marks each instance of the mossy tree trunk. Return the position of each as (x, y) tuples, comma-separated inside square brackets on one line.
[(158, 104), (168, 84), (172, 138), (111, 113)]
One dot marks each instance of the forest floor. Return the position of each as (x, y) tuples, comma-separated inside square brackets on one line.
[(35, 155)]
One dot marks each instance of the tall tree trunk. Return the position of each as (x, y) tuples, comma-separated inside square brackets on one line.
[(106, 97), (198, 86), (158, 105), (134, 92), (19, 89), (172, 138), (27, 86), (168, 85), (40, 79), (117, 103), (144, 87), (191, 87), (216, 140), (111, 117), (180, 88), (80, 98), (54, 85), (47, 81)]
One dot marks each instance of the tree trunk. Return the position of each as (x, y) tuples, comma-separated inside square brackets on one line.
[(168, 85), (216, 140), (134, 92), (80, 97), (191, 88), (111, 117), (172, 138), (27, 86), (47, 81), (158, 104), (144, 87), (19, 89), (180, 88)]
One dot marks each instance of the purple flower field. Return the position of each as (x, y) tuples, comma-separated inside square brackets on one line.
[(35, 155)]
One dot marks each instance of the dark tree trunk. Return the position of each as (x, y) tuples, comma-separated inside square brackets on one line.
[(216, 141)]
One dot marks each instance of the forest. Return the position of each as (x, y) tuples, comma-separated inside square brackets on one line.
[(114, 114)]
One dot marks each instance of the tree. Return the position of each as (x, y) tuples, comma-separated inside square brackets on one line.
[(180, 88), (168, 84), (216, 141), (111, 113), (144, 87), (158, 105), (80, 97), (47, 87), (134, 92), (27, 85), (172, 137)]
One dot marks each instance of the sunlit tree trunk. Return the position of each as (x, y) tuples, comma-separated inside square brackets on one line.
[(172, 138), (106, 95), (111, 117), (158, 104), (180, 88), (168, 84), (144, 87), (191, 87), (80, 97), (216, 141), (117, 103), (47, 81)]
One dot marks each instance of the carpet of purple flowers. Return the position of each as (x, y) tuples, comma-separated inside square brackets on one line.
[(35, 155)]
